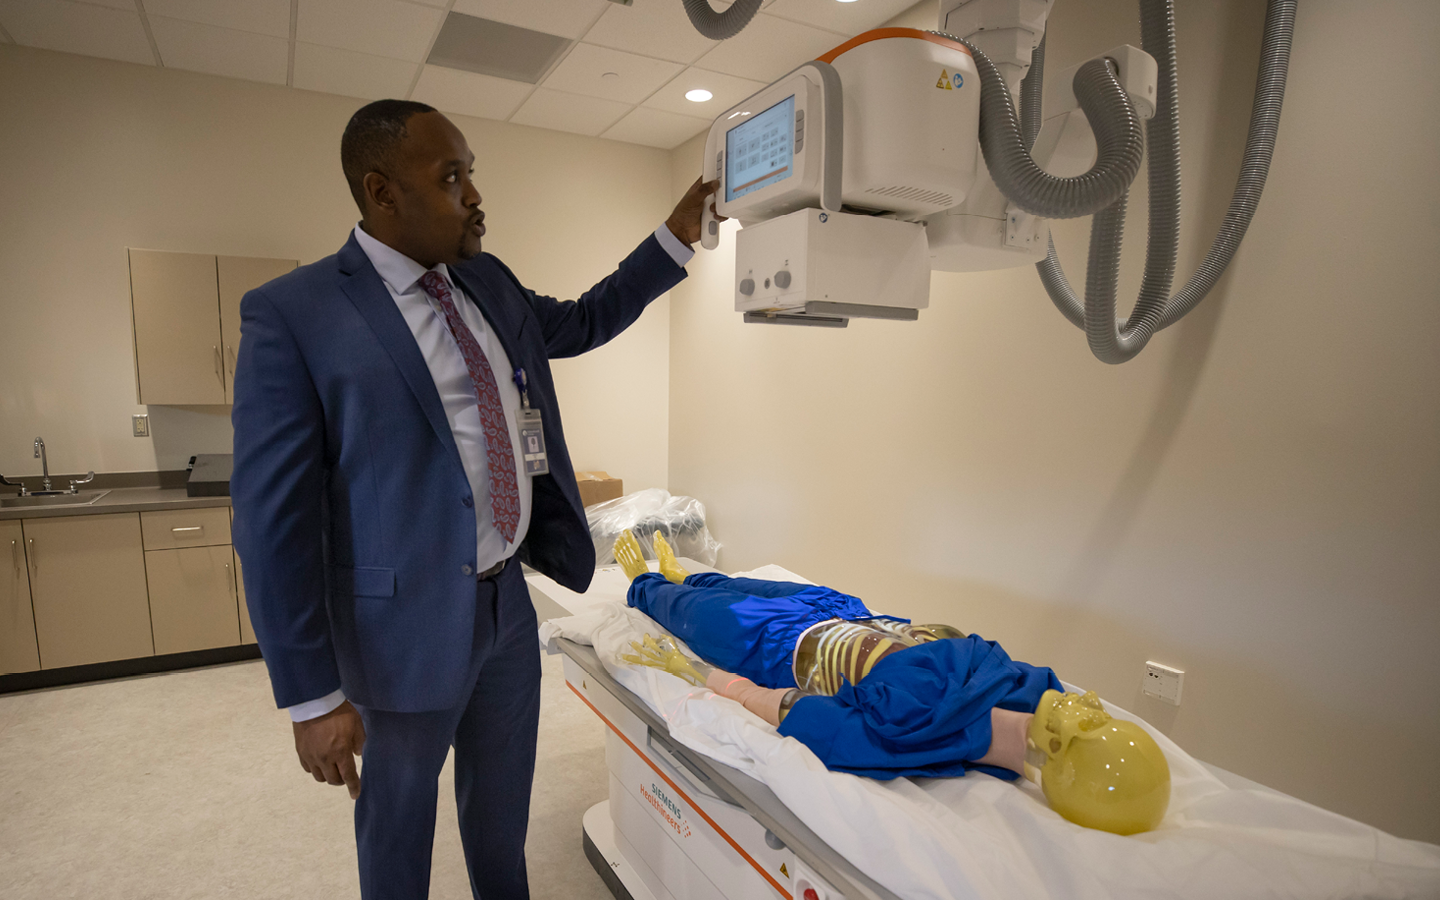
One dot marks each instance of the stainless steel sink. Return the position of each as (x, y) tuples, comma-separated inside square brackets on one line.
[(80, 498)]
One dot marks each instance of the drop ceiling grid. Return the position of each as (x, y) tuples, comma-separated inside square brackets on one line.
[(691, 69), (365, 48)]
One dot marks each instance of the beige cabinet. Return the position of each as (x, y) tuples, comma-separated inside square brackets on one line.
[(172, 529), (190, 569), (238, 275), (192, 598), (19, 651), (185, 309), (87, 582), (174, 301)]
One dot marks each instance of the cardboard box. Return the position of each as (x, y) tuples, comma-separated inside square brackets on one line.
[(597, 487)]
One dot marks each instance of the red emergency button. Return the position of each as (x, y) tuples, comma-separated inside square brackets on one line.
[(810, 894)]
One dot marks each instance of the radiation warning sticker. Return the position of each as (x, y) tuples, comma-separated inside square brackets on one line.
[(944, 82), (784, 871)]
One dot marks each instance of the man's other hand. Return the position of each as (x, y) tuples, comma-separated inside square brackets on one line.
[(327, 746), (684, 222)]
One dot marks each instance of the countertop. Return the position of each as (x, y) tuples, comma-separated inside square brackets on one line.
[(120, 500)]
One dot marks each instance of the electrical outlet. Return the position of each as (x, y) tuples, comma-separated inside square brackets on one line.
[(140, 424), (1163, 682)]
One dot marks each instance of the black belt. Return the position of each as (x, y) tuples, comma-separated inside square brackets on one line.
[(492, 571)]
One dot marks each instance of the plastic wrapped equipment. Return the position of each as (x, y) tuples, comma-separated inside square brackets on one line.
[(680, 519)]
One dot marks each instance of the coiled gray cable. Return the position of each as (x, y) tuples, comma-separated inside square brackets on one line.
[(717, 26), (1114, 341), (1119, 142)]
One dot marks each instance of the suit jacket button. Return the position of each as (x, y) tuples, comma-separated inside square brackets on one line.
[(468, 502), (466, 570)]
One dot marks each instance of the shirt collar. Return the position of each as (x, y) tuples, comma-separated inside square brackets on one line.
[(399, 272)]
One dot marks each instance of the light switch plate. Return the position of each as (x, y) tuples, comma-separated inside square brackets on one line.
[(1163, 682), (140, 424)]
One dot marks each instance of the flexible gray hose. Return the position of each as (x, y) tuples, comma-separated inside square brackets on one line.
[(1111, 340), (1032, 89), (1119, 142), (717, 26)]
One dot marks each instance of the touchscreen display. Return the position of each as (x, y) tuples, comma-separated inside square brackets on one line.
[(761, 151)]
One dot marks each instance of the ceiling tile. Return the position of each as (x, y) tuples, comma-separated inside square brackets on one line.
[(848, 19), (351, 74), (727, 90), (560, 111), (378, 27), (270, 17), (588, 70), (567, 18), (77, 28), (656, 128), (768, 48), (650, 28), (220, 51), (473, 44), (468, 93)]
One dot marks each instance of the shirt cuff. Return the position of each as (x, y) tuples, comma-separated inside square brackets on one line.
[(673, 245), (314, 709)]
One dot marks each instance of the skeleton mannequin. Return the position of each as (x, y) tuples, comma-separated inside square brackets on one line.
[(1094, 770)]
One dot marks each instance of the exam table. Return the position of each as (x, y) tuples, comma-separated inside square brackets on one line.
[(682, 824)]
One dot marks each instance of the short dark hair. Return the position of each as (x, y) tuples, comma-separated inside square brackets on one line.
[(371, 140)]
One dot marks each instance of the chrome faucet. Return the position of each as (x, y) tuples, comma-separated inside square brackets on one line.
[(44, 460)]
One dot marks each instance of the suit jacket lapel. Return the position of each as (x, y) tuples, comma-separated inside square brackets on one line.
[(363, 286), (495, 311)]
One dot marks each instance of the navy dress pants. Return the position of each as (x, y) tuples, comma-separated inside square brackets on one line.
[(493, 732)]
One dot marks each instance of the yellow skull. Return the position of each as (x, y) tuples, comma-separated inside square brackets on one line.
[(1096, 771)]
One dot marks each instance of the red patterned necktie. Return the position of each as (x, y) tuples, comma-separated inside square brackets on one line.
[(499, 452)]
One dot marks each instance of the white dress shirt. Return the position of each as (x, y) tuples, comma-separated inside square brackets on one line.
[(426, 319)]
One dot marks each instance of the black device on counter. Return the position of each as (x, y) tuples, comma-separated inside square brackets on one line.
[(210, 475)]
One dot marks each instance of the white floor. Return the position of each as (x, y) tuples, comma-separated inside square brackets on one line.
[(186, 785)]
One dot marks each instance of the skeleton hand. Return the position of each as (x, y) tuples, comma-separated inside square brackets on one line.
[(629, 555), (663, 654)]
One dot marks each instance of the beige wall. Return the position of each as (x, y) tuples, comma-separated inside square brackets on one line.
[(1255, 499), (96, 156)]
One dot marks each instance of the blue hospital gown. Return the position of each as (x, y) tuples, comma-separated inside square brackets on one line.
[(921, 711)]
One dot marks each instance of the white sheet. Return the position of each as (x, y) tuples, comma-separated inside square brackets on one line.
[(979, 837)]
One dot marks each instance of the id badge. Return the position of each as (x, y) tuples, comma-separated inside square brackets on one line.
[(532, 442)]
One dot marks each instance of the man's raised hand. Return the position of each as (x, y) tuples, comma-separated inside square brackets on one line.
[(684, 222)]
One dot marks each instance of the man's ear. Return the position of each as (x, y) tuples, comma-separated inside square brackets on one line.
[(379, 193)]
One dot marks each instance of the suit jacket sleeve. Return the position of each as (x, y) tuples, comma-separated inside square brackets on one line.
[(277, 489), (572, 327)]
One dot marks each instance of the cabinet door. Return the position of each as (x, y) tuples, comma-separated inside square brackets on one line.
[(192, 598), (247, 632), (18, 649), (87, 580), (239, 274), (176, 307)]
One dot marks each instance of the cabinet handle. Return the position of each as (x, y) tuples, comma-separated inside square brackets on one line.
[(34, 560), (216, 349), (188, 528), (233, 361), (231, 581), (15, 556)]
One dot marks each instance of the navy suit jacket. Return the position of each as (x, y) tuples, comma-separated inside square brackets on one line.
[(353, 514)]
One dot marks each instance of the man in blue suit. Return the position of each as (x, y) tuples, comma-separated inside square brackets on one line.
[(381, 491)]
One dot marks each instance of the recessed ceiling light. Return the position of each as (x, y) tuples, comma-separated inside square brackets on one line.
[(699, 95), (845, 1)]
